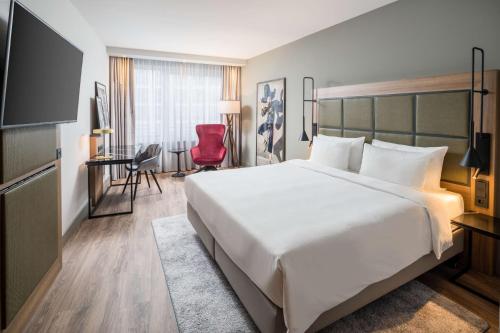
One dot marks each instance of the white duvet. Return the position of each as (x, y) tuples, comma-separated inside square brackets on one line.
[(311, 237)]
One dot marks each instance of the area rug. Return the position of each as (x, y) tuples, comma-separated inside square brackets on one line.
[(203, 300)]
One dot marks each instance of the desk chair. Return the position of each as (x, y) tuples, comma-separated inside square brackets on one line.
[(149, 160)]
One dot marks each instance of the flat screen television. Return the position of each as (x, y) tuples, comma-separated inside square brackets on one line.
[(41, 83)]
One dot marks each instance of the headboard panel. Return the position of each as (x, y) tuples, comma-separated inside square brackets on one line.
[(422, 112), (423, 119)]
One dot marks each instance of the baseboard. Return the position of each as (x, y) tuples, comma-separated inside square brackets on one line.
[(75, 224)]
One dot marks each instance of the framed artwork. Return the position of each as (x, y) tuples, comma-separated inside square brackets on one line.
[(271, 102), (101, 113), (101, 93)]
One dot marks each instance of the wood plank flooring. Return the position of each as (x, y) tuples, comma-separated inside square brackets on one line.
[(112, 279)]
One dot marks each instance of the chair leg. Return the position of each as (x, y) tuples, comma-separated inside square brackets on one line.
[(126, 183), (156, 181), (137, 178), (147, 178)]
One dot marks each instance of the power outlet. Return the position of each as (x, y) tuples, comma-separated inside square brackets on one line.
[(482, 193)]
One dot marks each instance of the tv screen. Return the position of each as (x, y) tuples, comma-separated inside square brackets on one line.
[(42, 73)]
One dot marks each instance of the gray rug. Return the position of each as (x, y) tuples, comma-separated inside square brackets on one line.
[(203, 301)]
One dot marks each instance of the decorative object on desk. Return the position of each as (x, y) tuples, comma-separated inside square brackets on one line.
[(101, 93), (210, 151), (303, 137), (271, 102), (229, 109), (103, 132), (478, 155), (101, 113)]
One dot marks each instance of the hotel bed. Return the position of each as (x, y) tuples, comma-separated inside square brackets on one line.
[(309, 238), (304, 244)]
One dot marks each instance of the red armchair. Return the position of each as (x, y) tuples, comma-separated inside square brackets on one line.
[(210, 151)]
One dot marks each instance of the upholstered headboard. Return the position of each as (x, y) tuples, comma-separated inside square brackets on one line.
[(429, 111), (424, 119)]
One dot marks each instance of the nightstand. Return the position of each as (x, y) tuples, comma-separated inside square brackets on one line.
[(485, 225)]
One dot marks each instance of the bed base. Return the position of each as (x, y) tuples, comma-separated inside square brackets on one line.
[(269, 317)]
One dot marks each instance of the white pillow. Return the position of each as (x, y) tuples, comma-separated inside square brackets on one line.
[(332, 154), (395, 166), (432, 180), (356, 149)]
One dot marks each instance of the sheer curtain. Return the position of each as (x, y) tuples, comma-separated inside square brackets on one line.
[(171, 98)]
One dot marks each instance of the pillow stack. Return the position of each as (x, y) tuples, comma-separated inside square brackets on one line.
[(395, 166), (337, 152), (416, 167), (435, 155)]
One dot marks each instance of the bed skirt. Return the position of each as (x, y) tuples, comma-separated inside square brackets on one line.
[(269, 317)]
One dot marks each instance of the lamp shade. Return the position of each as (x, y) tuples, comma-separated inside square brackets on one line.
[(471, 159), (303, 136), (229, 107)]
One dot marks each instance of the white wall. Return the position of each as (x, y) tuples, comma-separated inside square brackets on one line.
[(62, 16)]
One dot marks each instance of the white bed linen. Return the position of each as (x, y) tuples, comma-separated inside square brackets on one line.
[(310, 236), (452, 202)]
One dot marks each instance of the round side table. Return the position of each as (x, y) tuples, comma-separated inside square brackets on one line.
[(178, 152)]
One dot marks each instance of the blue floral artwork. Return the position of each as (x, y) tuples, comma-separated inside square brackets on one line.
[(271, 122)]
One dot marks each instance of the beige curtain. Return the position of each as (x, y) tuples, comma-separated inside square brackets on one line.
[(121, 81), (231, 90)]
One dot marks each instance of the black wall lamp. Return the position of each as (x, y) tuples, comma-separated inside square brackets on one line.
[(478, 155), (303, 136)]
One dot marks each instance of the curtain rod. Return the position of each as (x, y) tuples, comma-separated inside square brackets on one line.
[(185, 58)]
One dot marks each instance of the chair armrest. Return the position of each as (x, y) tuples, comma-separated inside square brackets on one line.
[(222, 153), (195, 152)]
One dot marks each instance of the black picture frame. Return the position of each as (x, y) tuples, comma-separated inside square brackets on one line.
[(102, 94), (102, 115)]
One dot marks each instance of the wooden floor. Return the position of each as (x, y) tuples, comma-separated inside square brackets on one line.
[(112, 280)]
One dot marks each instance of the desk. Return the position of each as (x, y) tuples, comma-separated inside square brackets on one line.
[(123, 151), (116, 159)]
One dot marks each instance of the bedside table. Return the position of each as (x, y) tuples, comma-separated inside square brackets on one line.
[(488, 226)]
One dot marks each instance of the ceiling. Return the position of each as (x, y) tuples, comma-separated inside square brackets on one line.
[(223, 28)]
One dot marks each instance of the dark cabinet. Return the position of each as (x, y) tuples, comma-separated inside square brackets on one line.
[(29, 225)]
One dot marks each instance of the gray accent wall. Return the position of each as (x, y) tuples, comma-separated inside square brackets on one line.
[(406, 39)]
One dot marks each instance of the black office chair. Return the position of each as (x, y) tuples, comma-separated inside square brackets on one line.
[(145, 161)]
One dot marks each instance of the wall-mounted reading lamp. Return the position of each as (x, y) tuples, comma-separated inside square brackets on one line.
[(478, 155), (303, 136)]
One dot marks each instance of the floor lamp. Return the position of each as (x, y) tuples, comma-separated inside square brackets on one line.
[(230, 108)]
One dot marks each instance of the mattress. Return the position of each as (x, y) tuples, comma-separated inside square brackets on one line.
[(452, 202), (311, 237)]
